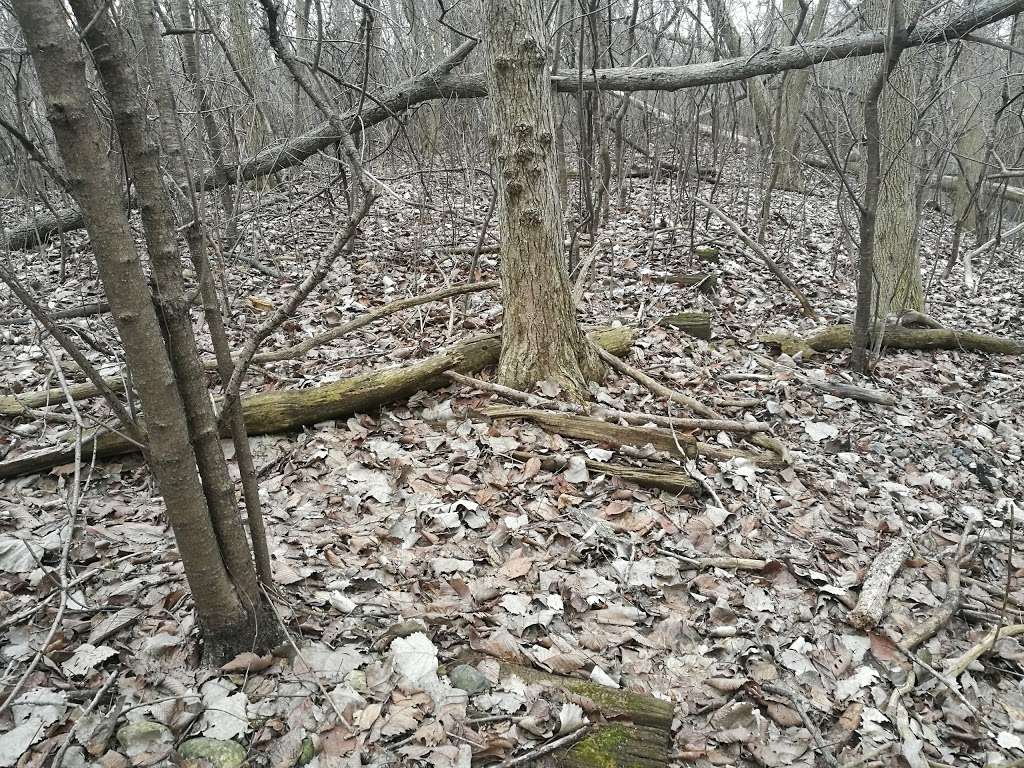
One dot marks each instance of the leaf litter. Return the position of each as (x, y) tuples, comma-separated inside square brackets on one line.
[(404, 538)]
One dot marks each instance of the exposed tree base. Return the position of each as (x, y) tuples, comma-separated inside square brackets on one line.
[(638, 736), (696, 324), (259, 635), (658, 478), (841, 337), (285, 410)]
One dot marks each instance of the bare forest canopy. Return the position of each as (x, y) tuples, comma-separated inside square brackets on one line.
[(440, 82)]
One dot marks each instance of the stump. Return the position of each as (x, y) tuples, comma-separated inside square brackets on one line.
[(696, 324), (708, 254)]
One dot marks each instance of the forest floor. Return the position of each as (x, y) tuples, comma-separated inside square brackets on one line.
[(420, 513)]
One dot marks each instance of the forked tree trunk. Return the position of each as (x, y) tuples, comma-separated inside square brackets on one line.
[(211, 568), (541, 338)]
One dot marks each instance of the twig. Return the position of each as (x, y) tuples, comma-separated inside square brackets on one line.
[(800, 705), (545, 749), (69, 738), (739, 563)]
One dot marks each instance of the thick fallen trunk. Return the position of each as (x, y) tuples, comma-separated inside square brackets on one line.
[(840, 337), (284, 410), (440, 82)]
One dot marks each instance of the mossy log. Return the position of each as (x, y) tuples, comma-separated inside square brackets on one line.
[(705, 282), (598, 431), (709, 254), (696, 324), (841, 337), (285, 410), (663, 478), (638, 731)]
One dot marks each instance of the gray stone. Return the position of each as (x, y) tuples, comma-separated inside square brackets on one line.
[(469, 679), (144, 736)]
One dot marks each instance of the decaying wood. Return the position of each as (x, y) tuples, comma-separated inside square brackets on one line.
[(637, 728), (610, 414), (696, 324), (663, 478), (851, 391), (657, 388), (586, 428), (284, 410), (840, 337), (16, 405), (875, 591), (959, 665)]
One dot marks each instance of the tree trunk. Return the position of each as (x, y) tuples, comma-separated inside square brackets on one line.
[(226, 624), (541, 338), (896, 259), (786, 147), (970, 151)]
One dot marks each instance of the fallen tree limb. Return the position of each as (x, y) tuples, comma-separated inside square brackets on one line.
[(285, 410), (696, 324), (657, 388), (83, 310), (836, 390), (762, 254), (659, 478), (605, 414), (959, 665), (875, 590), (440, 82), (725, 561), (17, 405), (840, 337), (585, 428)]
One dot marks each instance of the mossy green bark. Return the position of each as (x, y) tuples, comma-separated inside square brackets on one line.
[(696, 324), (285, 410), (619, 745), (840, 337)]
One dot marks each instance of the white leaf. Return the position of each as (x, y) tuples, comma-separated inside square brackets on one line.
[(415, 658), (570, 718), (341, 602), (601, 677), (226, 715), (17, 556), (1008, 740), (577, 472), (820, 430)]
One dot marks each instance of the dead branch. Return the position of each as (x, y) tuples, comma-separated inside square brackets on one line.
[(873, 594)]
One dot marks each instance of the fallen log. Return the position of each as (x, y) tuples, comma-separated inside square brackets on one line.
[(595, 430), (841, 337), (875, 591), (850, 391), (285, 410), (696, 324), (637, 729), (17, 405), (659, 478)]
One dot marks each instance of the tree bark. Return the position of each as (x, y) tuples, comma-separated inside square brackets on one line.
[(541, 338), (61, 70)]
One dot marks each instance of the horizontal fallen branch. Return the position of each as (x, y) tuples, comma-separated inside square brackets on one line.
[(841, 337), (610, 414), (662, 478), (595, 430), (850, 391), (285, 410)]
